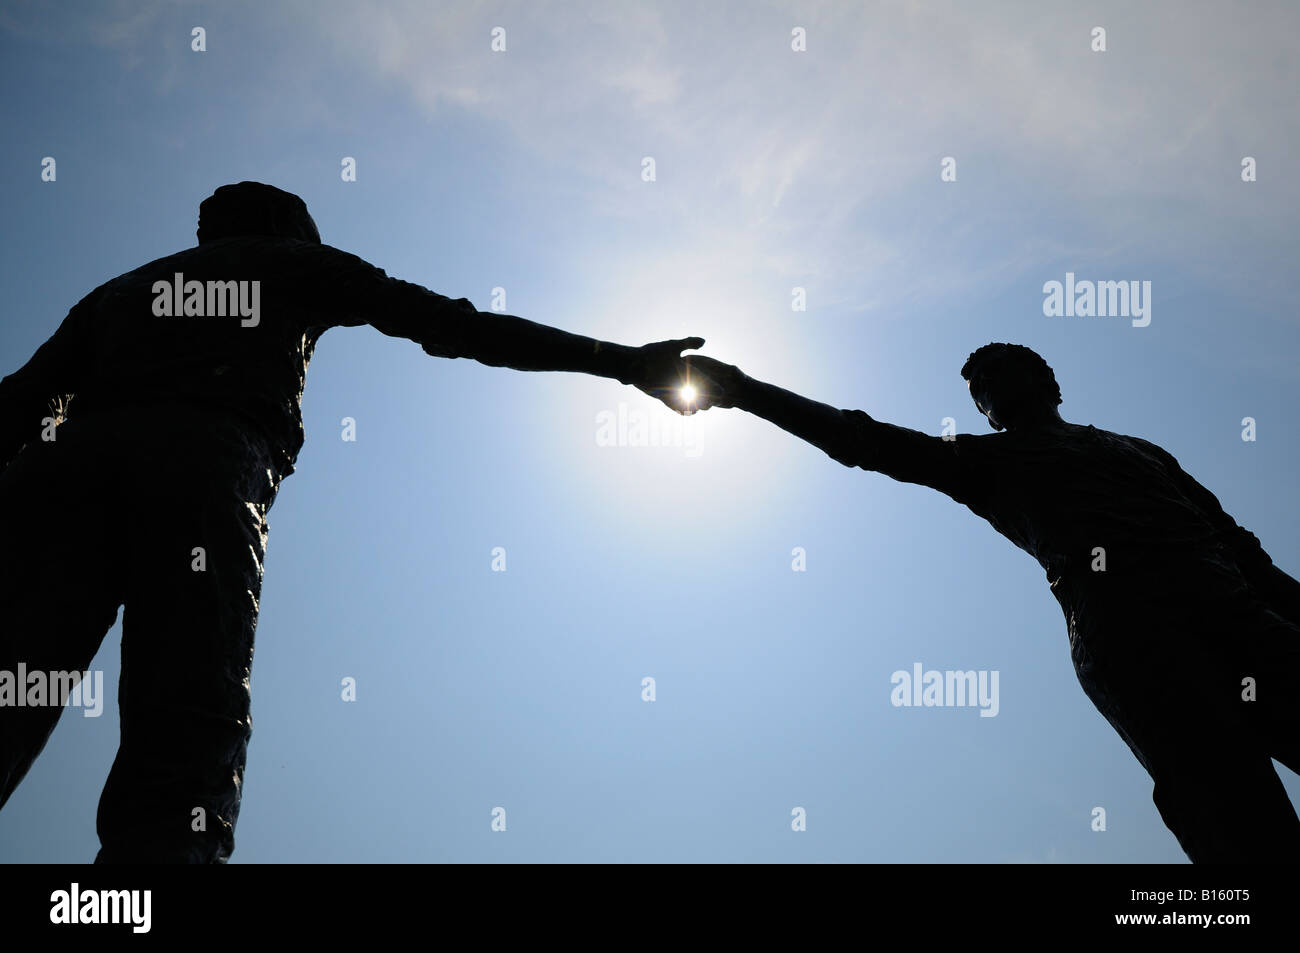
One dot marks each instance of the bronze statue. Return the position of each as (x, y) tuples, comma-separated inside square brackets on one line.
[(1182, 631), (186, 378)]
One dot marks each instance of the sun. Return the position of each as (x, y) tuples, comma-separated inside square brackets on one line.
[(688, 394)]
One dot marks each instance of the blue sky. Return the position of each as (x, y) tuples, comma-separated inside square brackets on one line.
[(775, 169)]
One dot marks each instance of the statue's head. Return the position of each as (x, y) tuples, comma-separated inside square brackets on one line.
[(1012, 386), (251, 208)]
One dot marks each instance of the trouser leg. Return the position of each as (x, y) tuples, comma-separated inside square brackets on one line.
[(1224, 799), (1275, 665), (1227, 807), (1175, 695), (187, 647), (59, 589)]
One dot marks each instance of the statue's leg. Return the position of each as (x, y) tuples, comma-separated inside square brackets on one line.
[(187, 648), (1226, 805), (1277, 657), (59, 589), (1170, 685), (1225, 793), (1215, 785)]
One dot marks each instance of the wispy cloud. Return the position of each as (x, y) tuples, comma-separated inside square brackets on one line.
[(824, 165), (793, 150)]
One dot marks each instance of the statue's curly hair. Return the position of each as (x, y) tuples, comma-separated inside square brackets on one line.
[(1020, 360), (253, 208)]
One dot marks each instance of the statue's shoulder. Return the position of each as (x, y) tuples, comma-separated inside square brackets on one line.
[(986, 448), (172, 262), (1139, 443), (1137, 448)]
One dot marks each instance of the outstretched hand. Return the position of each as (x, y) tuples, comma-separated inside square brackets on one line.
[(716, 384), (659, 370)]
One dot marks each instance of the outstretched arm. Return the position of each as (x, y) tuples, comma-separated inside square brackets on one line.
[(834, 431), (504, 340), (850, 437), (349, 291)]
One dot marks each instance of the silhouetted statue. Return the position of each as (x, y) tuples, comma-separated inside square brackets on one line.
[(186, 377), (1183, 633)]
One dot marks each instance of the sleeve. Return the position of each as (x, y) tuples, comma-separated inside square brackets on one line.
[(347, 291), (33, 392), (948, 465)]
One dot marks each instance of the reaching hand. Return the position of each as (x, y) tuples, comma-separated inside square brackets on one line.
[(716, 384), (660, 371)]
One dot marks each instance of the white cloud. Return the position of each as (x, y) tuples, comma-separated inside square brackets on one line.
[(825, 163)]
